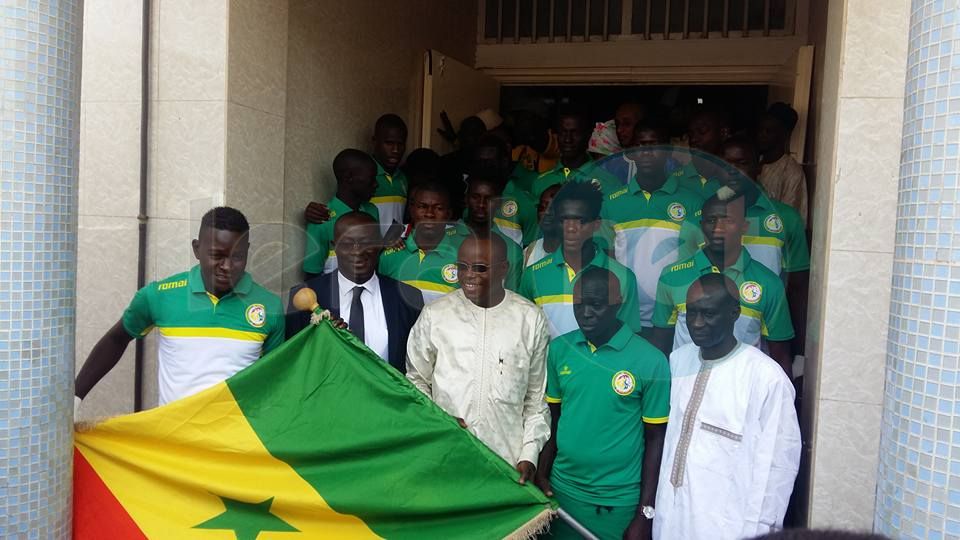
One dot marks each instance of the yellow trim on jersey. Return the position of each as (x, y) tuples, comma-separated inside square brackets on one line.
[(662, 420), (504, 223), (763, 240), (554, 299), (213, 298), (388, 199), (648, 223), (201, 332), (430, 286), (552, 399)]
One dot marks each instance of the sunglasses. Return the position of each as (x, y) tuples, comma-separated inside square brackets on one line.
[(478, 268)]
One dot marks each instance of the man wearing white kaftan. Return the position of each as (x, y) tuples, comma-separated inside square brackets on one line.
[(732, 447), (485, 366)]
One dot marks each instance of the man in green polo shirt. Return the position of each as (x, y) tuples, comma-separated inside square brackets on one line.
[(707, 130), (213, 320), (427, 259), (549, 282), (573, 137), (775, 234), (645, 217), (484, 196), (516, 214), (764, 313), (389, 144), (609, 396), (356, 183)]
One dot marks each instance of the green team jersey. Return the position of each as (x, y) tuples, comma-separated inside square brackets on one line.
[(204, 339), (775, 236), (516, 216), (524, 178), (433, 272), (646, 232), (589, 172), (691, 179), (606, 393), (763, 301), (549, 284), (320, 258), (390, 197)]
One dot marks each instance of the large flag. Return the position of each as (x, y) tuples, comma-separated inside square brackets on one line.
[(320, 439)]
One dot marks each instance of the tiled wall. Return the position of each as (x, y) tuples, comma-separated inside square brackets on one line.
[(40, 84), (859, 111), (919, 475)]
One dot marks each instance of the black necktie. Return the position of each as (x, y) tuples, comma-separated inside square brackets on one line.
[(356, 314)]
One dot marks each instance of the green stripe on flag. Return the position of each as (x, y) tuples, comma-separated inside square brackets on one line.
[(374, 446)]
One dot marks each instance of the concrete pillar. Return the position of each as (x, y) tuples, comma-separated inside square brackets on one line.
[(918, 493), (39, 110)]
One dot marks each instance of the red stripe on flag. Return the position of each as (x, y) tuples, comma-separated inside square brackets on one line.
[(96, 511)]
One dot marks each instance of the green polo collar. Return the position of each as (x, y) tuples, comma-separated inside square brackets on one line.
[(195, 281), (446, 244), (704, 266), (618, 342), (600, 258), (670, 186)]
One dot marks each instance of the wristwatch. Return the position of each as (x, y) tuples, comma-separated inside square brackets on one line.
[(648, 511)]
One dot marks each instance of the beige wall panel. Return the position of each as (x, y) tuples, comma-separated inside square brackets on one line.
[(257, 65), (846, 466), (109, 173), (877, 49), (111, 50), (254, 180), (188, 164), (265, 260), (192, 50)]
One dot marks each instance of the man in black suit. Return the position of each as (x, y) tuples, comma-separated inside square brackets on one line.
[(377, 309)]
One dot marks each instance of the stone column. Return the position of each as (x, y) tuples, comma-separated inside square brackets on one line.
[(39, 106), (918, 493)]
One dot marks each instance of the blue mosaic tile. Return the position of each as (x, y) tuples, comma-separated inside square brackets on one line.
[(39, 110), (918, 489)]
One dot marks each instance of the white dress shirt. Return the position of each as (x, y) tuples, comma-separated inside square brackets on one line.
[(375, 332), (488, 367), (732, 448)]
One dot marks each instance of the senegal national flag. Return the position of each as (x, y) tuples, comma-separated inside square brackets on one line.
[(320, 439)]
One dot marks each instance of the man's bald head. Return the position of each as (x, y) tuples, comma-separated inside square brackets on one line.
[(714, 284), (600, 280), (481, 268), (713, 307), (493, 244)]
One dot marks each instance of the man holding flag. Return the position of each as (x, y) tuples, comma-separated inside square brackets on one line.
[(480, 353)]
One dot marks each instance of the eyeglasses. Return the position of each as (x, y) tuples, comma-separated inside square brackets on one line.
[(477, 268)]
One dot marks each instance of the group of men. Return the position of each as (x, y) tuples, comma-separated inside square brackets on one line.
[(539, 308)]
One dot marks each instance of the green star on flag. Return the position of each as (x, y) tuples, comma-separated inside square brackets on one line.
[(247, 520)]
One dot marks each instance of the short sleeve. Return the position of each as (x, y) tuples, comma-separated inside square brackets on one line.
[(318, 246), (527, 217), (796, 256), (527, 289), (665, 309), (138, 318), (777, 325), (656, 390), (514, 272), (553, 395)]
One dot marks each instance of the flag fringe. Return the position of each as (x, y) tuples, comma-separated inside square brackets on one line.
[(535, 527)]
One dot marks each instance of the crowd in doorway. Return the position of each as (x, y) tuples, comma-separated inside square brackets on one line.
[(614, 312)]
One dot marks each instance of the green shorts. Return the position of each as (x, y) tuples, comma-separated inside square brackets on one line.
[(605, 522)]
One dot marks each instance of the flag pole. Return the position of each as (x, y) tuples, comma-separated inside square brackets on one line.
[(575, 525)]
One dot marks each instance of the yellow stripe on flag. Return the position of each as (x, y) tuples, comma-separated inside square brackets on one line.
[(170, 468)]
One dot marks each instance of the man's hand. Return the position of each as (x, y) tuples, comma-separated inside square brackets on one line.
[(462, 423), (542, 482), (527, 472), (316, 213), (640, 528), (339, 323)]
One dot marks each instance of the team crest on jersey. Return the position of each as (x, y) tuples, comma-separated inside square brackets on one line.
[(449, 273), (676, 211), (509, 208), (256, 315), (773, 224), (750, 292), (624, 383)]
